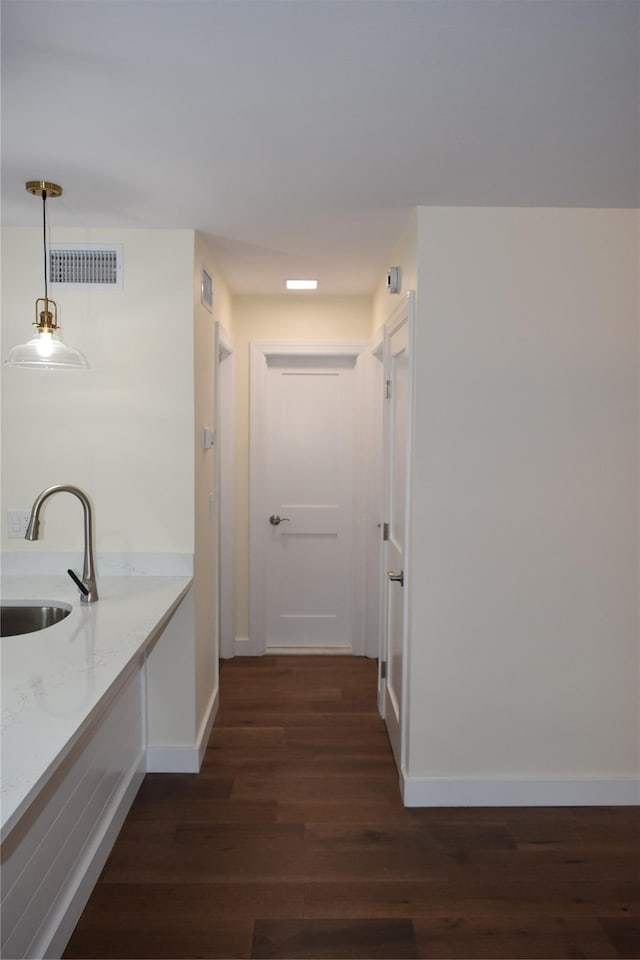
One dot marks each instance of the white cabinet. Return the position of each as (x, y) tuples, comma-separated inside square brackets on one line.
[(54, 855)]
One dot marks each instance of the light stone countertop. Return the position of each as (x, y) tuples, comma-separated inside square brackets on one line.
[(55, 681)]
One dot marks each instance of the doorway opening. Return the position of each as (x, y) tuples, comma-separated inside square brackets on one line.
[(308, 491)]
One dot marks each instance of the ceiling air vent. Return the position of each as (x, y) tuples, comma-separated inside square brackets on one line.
[(86, 265)]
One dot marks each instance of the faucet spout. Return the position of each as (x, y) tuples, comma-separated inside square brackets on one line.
[(33, 529)]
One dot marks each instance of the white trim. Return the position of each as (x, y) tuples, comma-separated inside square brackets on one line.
[(242, 647), (408, 531), (403, 313), (259, 353), (173, 759), (311, 651), (502, 792), (225, 342), (184, 758), (225, 490), (305, 348), (53, 938), (206, 726), (377, 342), (375, 504)]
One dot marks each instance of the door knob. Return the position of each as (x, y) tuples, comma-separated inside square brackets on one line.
[(398, 577), (274, 519)]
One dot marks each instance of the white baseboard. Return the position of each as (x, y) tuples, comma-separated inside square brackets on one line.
[(310, 651), (499, 792), (172, 759), (56, 932), (206, 725), (184, 758), (242, 647)]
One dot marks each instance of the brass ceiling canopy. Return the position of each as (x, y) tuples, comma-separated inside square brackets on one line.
[(42, 188)]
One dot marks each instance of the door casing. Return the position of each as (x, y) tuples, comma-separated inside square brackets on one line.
[(224, 493), (403, 314)]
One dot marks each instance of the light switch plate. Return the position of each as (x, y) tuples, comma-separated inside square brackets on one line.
[(17, 523)]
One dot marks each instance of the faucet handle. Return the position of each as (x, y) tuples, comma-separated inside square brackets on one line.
[(78, 582)]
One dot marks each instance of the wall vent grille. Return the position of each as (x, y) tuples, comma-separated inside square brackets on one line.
[(87, 265)]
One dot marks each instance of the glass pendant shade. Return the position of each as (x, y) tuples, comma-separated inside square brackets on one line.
[(46, 350)]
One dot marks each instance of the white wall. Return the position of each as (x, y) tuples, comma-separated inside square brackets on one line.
[(122, 430), (524, 610), (298, 316)]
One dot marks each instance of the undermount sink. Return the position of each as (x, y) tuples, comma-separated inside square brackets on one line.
[(28, 616)]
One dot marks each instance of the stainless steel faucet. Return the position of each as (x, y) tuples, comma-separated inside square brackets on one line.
[(87, 585)]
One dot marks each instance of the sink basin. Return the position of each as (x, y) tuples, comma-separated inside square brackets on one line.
[(27, 616)]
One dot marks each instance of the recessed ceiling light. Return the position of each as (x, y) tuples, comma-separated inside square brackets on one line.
[(302, 284)]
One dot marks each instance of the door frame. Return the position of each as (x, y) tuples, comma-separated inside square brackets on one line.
[(224, 417), (404, 312), (376, 505), (260, 352)]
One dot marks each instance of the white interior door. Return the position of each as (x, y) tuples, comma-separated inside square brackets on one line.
[(307, 552), (397, 445)]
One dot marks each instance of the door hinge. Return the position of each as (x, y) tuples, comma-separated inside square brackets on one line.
[(387, 389), (383, 670), (385, 531)]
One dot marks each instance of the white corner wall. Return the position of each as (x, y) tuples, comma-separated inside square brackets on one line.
[(122, 430), (524, 652)]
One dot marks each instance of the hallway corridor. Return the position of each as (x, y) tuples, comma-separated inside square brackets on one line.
[(293, 842)]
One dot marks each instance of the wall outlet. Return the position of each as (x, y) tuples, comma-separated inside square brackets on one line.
[(17, 522)]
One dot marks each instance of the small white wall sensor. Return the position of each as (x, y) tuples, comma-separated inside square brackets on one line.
[(393, 279), (208, 438)]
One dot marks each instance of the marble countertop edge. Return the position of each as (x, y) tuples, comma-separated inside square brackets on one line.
[(90, 654)]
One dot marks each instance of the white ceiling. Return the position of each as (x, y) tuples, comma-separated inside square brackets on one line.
[(298, 133)]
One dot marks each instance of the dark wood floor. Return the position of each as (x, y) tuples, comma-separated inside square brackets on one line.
[(293, 842)]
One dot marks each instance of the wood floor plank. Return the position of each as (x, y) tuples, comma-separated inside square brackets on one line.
[(624, 934), (373, 851), (279, 765), (567, 862), (202, 811), (246, 737), (270, 715), (481, 899), (499, 938), (326, 789), (160, 852), (301, 939), (168, 939), (184, 786), (142, 904), (387, 809)]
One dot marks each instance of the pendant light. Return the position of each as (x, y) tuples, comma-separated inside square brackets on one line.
[(46, 351)]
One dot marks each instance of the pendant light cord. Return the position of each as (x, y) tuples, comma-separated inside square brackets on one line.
[(44, 239)]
